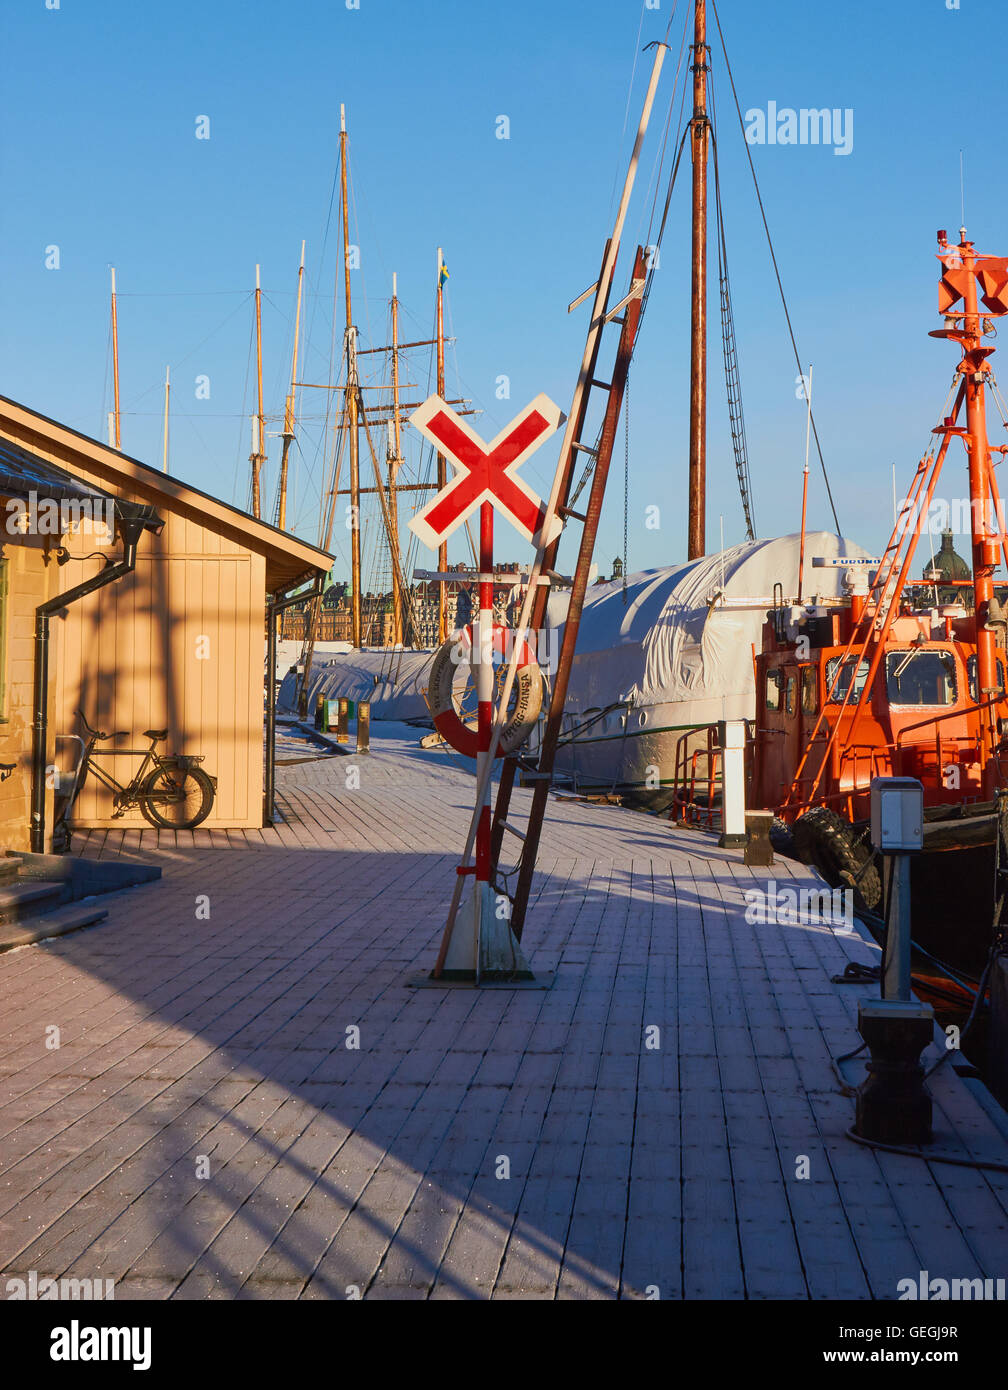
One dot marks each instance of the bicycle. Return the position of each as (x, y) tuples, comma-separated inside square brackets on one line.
[(174, 795)]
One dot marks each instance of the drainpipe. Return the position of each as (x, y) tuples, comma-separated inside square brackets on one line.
[(276, 605), (132, 519)]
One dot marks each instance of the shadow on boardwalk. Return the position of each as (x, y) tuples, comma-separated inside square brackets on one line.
[(248, 1100)]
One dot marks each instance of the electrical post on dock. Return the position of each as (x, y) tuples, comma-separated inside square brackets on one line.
[(478, 945), (893, 1105)]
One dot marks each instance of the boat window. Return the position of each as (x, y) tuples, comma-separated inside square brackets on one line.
[(790, 701), (773, 690), (809, 692), (971, 675), (921, 677), (844, 680)]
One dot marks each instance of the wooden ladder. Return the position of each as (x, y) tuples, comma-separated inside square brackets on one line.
[(626, 314)]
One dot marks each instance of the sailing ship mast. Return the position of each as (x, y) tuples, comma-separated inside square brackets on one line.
[(167, 391), (114, 432), (394, 464), (258, 456), (288, 429), (696, 537), (351, 402)]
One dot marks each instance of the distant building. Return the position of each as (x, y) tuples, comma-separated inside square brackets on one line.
[(946, 566)]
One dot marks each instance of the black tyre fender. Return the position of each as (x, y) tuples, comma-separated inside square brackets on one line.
[(830, 843)]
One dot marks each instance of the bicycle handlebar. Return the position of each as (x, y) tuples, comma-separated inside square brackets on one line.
[(99, 733)]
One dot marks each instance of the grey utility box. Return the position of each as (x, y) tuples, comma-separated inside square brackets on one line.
[(897, 814)]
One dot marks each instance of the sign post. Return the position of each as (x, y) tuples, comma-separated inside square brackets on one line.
[(481, 946)]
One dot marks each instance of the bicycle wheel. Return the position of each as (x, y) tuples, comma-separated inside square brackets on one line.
[(177, 798)]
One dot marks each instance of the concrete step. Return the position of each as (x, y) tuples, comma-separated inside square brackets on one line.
[(65, 919), (20, 900), (10, 866)]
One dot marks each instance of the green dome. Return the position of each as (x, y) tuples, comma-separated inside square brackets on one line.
[(948, 564)]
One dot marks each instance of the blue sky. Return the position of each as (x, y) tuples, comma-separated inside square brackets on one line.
[(100, 158)]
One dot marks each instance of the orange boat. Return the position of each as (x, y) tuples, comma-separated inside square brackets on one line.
[(883, 685)]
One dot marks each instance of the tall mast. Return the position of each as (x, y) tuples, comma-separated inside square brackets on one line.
[(351, 403), (116, 437), (442, 463), (258, 455), (167, 389), (288, 429), (696, 539), (395, 460)]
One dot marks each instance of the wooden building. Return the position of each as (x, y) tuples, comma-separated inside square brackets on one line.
[(177, 644)]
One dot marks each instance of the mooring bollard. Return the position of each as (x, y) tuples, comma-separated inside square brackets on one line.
[(758, 849), (363, 726), (893, 1105), (343, 721), (731, 736)]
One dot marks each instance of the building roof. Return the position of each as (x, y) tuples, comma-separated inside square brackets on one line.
[(38, 482), (22, 473), (288, 559)]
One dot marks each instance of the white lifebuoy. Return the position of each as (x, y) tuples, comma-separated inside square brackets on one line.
[(528, 692)]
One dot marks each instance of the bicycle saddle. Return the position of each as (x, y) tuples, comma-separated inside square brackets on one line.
[(156, 734)]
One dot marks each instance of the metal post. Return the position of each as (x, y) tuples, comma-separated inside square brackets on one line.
[(483, 651), (363, 726), (896, 977), (731, 736), (342, 720), (442, 462), (274, 608)]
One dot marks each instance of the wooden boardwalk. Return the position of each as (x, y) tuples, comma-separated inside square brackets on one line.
[(663, 1122)]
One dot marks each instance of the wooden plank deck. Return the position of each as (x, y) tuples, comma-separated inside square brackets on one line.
[(640, 1129)]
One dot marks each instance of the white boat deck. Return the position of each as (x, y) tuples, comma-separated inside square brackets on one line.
[(203, 1129)]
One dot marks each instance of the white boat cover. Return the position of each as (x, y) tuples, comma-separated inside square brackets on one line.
[(394, 681), (668, 641)]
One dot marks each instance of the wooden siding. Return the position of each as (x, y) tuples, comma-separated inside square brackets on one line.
[(30, 582), (128, 654), (177, 645)]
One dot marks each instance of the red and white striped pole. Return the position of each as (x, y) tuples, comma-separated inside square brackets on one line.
[(485, 705)]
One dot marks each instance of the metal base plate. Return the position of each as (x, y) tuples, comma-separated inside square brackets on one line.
[(543, 980)]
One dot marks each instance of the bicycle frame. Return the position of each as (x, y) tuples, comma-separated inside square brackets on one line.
[(124, 795)]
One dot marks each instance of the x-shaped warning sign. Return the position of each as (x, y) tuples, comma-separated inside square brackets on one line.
[(485, 472)]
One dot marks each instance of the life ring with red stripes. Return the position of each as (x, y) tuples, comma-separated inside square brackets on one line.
[(527, 690)]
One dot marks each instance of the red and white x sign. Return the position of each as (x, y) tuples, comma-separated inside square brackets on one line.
[(485, 472)]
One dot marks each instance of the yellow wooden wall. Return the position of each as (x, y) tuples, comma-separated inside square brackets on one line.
[(30, 582), (176, 645)]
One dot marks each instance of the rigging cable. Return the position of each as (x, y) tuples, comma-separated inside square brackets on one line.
[(773, 258), (729, 349)]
